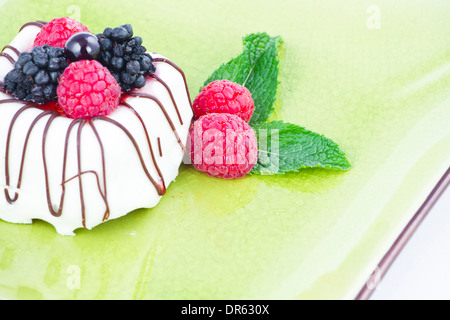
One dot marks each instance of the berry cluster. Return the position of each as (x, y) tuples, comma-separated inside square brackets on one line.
[(85, 73), (222, 142), (35, 75), (125, 56)]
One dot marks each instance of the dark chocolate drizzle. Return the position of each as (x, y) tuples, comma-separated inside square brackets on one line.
[(154, 76), (159, 185), (8, 198), (166, 115), (57, 210), (165, 60), (12, 49), (104, 193), (152, 155), (8, 56), (159, 147), (80, 181), (37, 23), (52, 210)]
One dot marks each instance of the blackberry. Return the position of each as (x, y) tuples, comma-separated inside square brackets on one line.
[(35, 75), (125, 57)]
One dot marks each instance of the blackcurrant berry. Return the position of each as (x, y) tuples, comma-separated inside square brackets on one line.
[(82, 46)]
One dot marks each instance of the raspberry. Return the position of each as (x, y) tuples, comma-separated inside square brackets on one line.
[(87, 89), (223, 145), (56, 32), (224, 96)]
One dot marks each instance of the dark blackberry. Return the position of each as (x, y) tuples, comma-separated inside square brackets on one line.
[(125, 56), (119, 34), (35, 75)]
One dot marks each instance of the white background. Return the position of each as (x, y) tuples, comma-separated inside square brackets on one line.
[(422, 269)]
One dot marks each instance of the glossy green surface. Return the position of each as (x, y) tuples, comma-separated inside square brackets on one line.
[(379, 88)]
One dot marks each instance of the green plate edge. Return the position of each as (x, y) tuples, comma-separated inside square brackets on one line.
[(372, 75)]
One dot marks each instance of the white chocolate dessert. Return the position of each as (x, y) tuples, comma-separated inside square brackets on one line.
[(79, 173)]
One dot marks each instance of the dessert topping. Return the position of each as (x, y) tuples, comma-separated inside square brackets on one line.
[(58, 31), (82, 46), (36, 73), (125, 56), (87, 89)]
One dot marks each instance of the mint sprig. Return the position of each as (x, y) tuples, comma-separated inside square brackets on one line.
[(256, 68), (282, 147), (286, 147)]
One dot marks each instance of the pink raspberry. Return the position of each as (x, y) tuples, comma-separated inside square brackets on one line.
[(87, 89), (223, 145), (56, 32), (224, 96)]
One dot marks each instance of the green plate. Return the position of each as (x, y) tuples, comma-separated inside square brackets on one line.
[(374, 78)]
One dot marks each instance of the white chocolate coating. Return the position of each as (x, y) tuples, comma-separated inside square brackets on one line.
[(110, 173)]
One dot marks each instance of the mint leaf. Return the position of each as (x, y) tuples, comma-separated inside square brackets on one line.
[(263, 84), (256, 68), (232, 70), (285, 147)]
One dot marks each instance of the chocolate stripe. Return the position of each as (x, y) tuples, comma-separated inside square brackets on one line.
[(80, 183), (12, 49), (104, 194), (169, 120), (158, 183), (58, 213), (159, 188), (159, 147), (8, 142), (7, 56), (152, 155), (39, 24), (165, 60), (154, 76)]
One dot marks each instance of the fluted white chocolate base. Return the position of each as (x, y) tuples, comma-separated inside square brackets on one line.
[(106, 174)]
